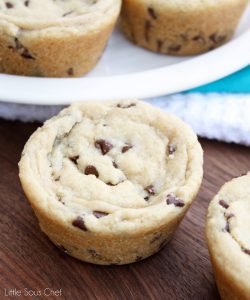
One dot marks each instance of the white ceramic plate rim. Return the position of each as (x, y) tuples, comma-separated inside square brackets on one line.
[(174, 78)]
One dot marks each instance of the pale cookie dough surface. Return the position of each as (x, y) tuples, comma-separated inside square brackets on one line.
[(37, 14), (228, 227), (112, 167)]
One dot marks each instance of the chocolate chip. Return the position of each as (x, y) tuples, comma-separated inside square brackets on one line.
[(23, 51), (199, 38), (126, 148), (159, 45), (152, 13), (111, 184), (79, 222), (171, 149), (115, 164), (125, 105), (217, 39), (174, 48), (150, 189), (26, 3), (74, 159), (9, 5), (138, 258), (91, 170), (147, 27), (227, 227), (196, 38), (56, 178), (25, 54), (247, 251), (223, 204), (70, 71), (99, 214), (174, 200), (103, 145), (60, 200)]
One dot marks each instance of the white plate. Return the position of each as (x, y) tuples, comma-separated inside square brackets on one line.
[(128, 71)]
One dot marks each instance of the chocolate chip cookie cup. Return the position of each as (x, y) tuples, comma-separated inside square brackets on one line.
[(227, 230), (111, 181), (181, 27), (54, 38)]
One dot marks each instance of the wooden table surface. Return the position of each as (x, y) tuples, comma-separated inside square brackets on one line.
[(30, 263)]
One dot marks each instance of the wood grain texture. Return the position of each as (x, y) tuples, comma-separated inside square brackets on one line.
[(182, 270)]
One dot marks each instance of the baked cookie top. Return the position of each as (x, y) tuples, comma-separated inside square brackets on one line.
[(112, 166), (37, 14), (228, 227)]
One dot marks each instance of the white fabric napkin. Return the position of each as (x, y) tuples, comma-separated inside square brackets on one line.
[(224, 117)]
